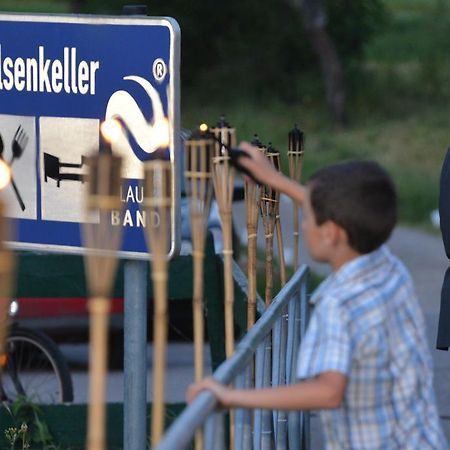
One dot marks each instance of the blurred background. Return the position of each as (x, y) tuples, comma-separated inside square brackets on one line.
[(362, 78)]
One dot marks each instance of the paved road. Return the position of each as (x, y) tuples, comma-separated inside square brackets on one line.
[(180, 373)]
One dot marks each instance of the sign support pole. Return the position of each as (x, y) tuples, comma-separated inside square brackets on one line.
[(135, 337), (135, 355)]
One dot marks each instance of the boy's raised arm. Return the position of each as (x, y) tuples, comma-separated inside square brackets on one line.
[(264, 172)]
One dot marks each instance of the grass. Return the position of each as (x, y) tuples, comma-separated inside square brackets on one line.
[(411, 148)]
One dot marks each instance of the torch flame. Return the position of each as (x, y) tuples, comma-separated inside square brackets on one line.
[(111, 130), (161, 132), (5, 174)]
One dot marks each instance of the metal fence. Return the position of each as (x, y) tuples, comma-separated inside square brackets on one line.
[(269, 349)]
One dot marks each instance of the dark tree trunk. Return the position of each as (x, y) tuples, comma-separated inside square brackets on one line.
[(315, 22), (331, 72), (76, 6)]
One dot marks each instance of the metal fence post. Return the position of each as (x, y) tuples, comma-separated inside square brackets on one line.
[(267, 428), (294, 433), (281, 424), (304, 307), (259, 383)]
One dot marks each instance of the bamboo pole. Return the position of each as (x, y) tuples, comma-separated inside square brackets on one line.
[(102, 241), (252, 198), (274, 156), (157, 204), (295, 156), (251, 208), (7, 266), (223, 179), (268, 209), (198, 155)]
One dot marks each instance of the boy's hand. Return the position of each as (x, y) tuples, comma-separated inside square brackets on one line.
[(219, 390), (258, 164)]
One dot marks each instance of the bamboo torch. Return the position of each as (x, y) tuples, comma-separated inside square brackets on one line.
[(274, 156), (198, 155), (102, 240), (7, 265), (223, 179), (268, 209), (157, 204), (251, 208), (295, 155)]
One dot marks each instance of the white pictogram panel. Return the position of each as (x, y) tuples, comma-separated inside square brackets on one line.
[(65, 143), (18, 148)]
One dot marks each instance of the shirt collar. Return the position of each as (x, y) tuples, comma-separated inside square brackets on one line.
[(350, 270)]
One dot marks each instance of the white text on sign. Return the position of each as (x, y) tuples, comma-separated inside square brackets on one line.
[(43, 74)]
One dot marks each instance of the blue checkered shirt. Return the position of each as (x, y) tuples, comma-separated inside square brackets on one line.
[(367, 324)]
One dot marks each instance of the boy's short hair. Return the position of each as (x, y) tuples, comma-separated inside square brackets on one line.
[(360, 197)]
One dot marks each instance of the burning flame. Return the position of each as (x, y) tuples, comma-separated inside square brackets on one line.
[(161, 132), (5, 174), (111, 130)]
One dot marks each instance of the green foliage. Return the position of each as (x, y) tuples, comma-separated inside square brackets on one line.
[(353, 24), (256, 47), (19, 436), (30, 430), (54, 6), (406, 66)]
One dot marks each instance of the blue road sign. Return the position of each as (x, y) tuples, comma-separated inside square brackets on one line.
[(60, 77)]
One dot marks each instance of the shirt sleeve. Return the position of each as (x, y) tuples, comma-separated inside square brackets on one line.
[(326, 344)]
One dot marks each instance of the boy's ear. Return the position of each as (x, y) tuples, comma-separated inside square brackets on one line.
[(333, 233)]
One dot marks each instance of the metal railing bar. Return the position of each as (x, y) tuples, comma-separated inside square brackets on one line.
[(294, 430), (259, 382), (294, 433), (209, 431), (267, 425), (276, 353), (239, 383), (246, 347), (219, 441), (241, 279), (247, 438), (281, 423), (291, 333), (304, 306), (182, 430)]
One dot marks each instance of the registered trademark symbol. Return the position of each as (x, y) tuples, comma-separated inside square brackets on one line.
[(159, 69)]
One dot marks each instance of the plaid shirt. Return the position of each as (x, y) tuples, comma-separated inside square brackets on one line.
[(367, 324)]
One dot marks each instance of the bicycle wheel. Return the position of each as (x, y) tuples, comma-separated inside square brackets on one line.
[(36, 369)]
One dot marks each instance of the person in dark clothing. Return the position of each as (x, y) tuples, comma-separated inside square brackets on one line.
[(443, 337)]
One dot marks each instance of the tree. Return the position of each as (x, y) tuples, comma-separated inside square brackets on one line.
[(76, 6), (315, 25)]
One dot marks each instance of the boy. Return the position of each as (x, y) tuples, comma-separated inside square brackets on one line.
[(364, 361)]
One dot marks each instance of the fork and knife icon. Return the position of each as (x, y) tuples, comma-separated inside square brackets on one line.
[(19, 142)]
